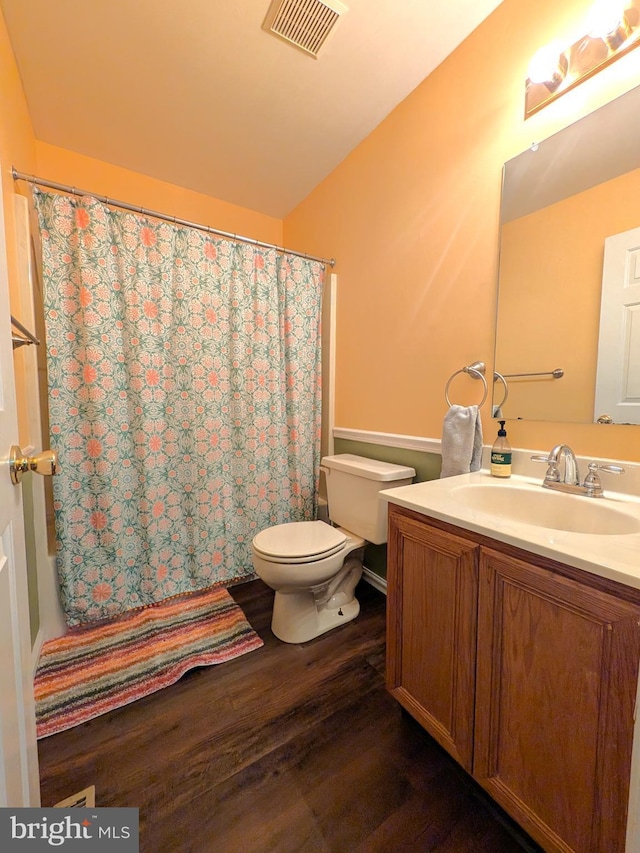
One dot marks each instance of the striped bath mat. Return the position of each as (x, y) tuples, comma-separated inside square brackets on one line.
[(96, 668)]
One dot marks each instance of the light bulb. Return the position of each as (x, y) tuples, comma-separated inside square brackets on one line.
[(609, 23), (549, 66)]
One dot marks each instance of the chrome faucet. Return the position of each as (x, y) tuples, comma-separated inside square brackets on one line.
[(570, 481), (571, 473)]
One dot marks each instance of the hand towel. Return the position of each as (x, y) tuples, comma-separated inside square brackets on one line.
[(461, 441)]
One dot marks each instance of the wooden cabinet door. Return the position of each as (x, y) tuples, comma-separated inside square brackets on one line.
[(556, 680), (431, 629)]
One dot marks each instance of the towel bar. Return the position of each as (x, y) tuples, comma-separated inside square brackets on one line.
[(28, 338), (558, 373)]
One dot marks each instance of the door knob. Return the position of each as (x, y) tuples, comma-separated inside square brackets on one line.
[(42, 463)]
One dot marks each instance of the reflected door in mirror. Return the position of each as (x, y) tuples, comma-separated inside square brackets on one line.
[(618, 373)]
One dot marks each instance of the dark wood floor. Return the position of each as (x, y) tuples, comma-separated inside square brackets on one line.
[(290, 748)]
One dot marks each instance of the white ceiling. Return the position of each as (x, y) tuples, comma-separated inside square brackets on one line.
[(196, 93)]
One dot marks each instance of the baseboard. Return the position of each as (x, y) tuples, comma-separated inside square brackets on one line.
[(375, 580)]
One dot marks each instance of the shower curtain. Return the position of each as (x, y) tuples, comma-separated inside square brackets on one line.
[(184, 395)]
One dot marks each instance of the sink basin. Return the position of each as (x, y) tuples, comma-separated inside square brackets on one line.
[(546, 508)]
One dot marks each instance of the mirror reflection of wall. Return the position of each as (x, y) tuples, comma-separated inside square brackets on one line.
[(561, 200)]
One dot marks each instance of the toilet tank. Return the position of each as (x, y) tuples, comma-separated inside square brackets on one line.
[(353, 483)]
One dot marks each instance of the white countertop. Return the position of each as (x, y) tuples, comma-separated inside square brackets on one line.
[(616, 557)]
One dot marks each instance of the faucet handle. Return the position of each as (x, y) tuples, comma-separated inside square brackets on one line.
[(608, 469), (553, 474), (592, 480)]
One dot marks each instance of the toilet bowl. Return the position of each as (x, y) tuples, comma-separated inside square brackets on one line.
[(314, 566)]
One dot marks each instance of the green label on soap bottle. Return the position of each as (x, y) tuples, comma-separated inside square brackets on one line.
[(498, 458)]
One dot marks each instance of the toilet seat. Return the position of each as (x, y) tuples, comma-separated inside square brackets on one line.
[(299, 542)]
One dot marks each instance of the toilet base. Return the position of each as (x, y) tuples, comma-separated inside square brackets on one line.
[(297, 618)]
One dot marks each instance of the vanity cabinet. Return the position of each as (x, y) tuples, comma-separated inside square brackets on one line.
[(524, 670), (432, 596)]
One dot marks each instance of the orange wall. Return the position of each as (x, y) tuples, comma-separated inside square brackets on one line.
[(67, 167), (17, 147), (550, 285), (411, 216), (17, 141)]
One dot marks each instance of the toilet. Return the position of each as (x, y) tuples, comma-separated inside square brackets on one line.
[(313, 566)]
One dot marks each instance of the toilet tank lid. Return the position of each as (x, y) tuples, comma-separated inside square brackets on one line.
[(370, 469)]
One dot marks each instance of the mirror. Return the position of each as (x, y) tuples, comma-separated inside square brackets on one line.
[(561, 200)]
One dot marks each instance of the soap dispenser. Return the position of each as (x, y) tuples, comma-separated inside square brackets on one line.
[(501, 454)]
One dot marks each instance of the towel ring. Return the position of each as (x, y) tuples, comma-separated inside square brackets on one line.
[(501, 378), (475, 374)]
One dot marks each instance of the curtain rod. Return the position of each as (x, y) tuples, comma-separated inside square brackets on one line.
[(32, 179)]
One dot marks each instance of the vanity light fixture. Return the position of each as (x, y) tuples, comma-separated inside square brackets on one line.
[(613, 30)]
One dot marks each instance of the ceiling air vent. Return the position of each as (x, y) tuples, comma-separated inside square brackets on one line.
[(305, 24)]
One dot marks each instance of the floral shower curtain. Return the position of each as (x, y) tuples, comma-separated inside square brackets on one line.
[(184, 395)]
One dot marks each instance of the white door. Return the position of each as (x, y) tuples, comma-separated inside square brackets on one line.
[(19, 783), (618, 371)]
